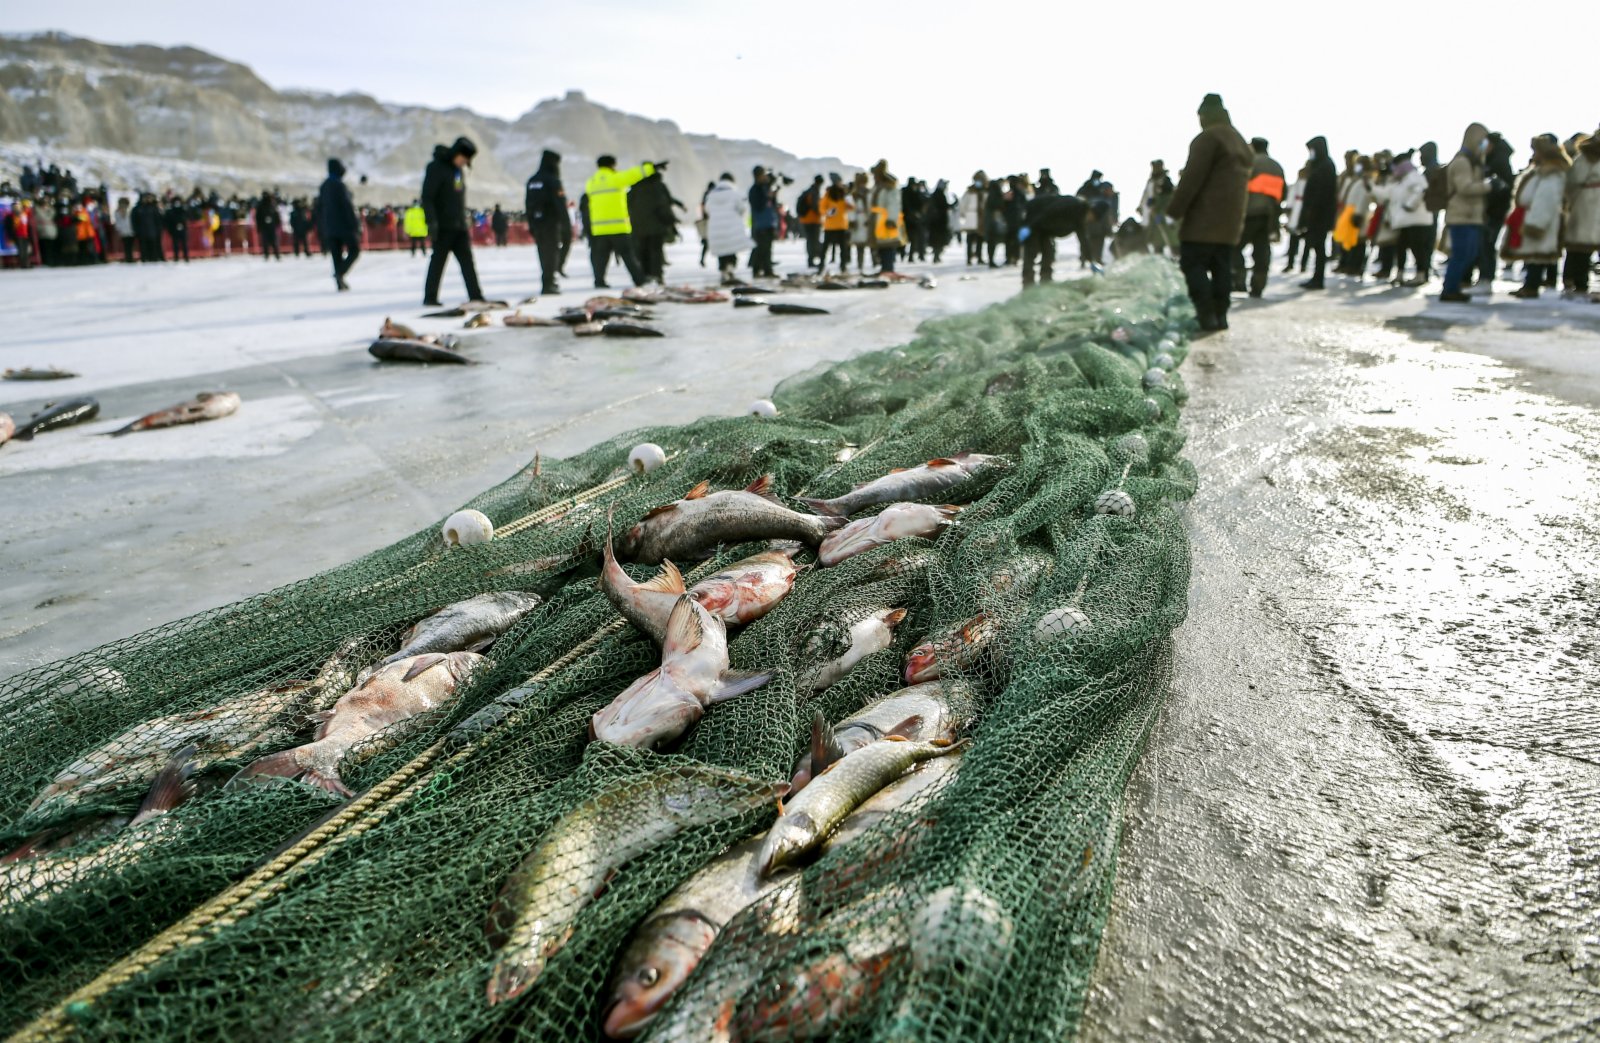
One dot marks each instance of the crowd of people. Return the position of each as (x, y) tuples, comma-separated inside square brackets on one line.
[(1381, 215)]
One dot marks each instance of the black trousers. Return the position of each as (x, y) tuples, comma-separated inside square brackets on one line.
[(457, 241), (269, 244), (1575, 273), (974, 248), (1208, 270), (547, 241), (1043, 248), (564, 234), (302, 243), (1258, 237), (180, 244), (653, 257), (761, 256), (127, 249), (836, 242), (345, 252), (419, 244), (603, 247), (150, 248), (814, 255)]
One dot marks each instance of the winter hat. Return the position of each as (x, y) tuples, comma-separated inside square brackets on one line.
[(835, 179), (606, 161), (1259, 144), (335, 168), (464, 147), (1211, 105), (726, 176)]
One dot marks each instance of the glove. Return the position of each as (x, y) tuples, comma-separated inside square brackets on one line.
[(660, 164), (1023, 233)]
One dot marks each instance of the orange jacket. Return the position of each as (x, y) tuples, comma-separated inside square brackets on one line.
[(836, 214)]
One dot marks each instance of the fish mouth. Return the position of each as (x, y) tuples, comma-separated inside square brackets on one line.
[(624, 1020)]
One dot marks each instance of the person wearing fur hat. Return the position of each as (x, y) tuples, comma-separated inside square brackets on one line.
[(1533, 230), (1583, 216), (1209, 203)]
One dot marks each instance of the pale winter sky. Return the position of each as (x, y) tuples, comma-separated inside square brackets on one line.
[(938, 88)]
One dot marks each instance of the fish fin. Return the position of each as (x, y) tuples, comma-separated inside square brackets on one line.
[(949, 510), (762, 487), (824, 747), (170, 788), (898, 470), (479, 646), (119, 432), (698, 492), (823, 507), (668, 581), (780, 807), (330, 783), (942, 461), (895, 618), (736, 683), (658, 511), (969, 629), (906, 728), (684, 629), (281, 765), (895, 738), (423, 663), (322, 717)]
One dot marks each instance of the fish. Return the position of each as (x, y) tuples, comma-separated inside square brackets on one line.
[(748, 589), (29, 373), (834, 284), (516, 318), (746, 289), (589, 329), (415, 351), (872, 284), (923, 712), (626, 311), (389, 701), (796, 309), (694, 674), (36, 872), (906, 484), (391, 329), (826, 995), (806, 819), (928, 282), (53, 415), (671, 942), (446, 313), (466, 626), (959, 648), (614, 328), (530, 299), (646, 605), (207, 405), (749, 302), (896, 522), (482, 306), (573, 316), (534, 915), (867, 635), (478, 321), (227, 731), (692, 527), (8, 427), (1017, 577)]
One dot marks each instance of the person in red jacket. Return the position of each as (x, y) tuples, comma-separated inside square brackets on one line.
[(19, 230)]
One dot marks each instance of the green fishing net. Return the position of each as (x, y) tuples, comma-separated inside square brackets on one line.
[(972, 913)]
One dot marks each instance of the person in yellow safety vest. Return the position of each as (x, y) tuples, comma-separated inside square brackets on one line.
[(610, 231), (416, 227), (1263, 205)]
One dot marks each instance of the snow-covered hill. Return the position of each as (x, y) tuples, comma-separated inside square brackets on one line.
[(137, 116)]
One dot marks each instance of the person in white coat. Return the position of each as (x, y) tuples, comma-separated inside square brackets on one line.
[(1583, 217), (971, 212), (1357, 196), (726, 231), (1533, 231), (1403, 211), (1295, 200)]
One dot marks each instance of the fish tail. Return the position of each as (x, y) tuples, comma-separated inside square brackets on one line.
[(825, 507), (330, 783), (125, 430), (170, 788), (283, 765)]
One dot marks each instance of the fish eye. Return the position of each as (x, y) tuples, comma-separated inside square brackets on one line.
[(648, 976)]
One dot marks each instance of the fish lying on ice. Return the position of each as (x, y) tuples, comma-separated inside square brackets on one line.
[(479, 320), (694, 674), (516, 318), (207, 405), (391, 330), (867, 635), (29, 373), (619, 328), (924, 712), (796, 309), (54, 415), (534, 915), (911, 483), (415, 351), (386, 702), (896, 522), (691, 527)]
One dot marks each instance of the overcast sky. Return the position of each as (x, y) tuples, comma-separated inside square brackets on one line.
[(937, 88)]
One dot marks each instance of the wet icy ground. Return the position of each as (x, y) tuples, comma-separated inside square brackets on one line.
[(1369, 810)]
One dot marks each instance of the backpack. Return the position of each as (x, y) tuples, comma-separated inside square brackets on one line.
[(1437, 195)]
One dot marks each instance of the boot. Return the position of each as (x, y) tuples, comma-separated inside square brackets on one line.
[(1312, 284)]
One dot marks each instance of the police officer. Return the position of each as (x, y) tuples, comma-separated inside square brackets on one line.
[(444, 207), (610, 231), (545, 203)]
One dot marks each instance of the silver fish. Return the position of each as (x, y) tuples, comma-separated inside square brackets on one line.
[(702, 520), (896, 522), (914, 483), (28, 373), (207, 405), (467, 626), (924, 712), (867, 635), (390, 350), (388, 702), (534, 915), (693, 675)]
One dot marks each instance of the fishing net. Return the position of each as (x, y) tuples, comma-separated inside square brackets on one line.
[(275, 910)]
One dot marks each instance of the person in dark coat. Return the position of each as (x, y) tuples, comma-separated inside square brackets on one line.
[(1210, 203), (268, 225), (1046, 219), (1047, 185), (1496, 206), (338, 227), (994, 216), (1262, 210), (763, 221), (936, 211), (146, 217), (501, 224), (545, 204), (1016, 208), (300, 228), (444, 201), (176, 220), (650, 205), (1319, 206)]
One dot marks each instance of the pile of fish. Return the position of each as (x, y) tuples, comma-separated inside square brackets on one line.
[(673, 295), (609, 316)]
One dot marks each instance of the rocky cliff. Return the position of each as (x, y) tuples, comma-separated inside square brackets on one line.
[(145, 116)]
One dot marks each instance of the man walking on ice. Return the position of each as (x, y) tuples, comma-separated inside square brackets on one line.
[(444, 203)]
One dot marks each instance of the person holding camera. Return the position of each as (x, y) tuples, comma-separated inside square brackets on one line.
[(610, 230)]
